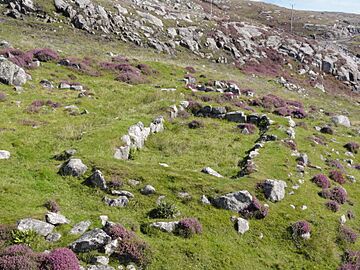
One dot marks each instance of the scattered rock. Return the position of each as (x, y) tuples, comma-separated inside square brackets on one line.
[(274, 189), (242, 225), (11, 74), (73, 167), (148, 190), (53, 237), (121, 201), (4, 154), (92, 240), (235, 201), (204, 200), (212, 172), (341, 120), (100, 260), (96, 180), (122, 193), (165, 226), (56, 218), (40, 227), (81, 227)]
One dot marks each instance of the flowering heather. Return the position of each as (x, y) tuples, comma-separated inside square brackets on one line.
[(145, 69), (190, 69), (333, 206), (327, 130), (18, 57), (300, 228), (352, 147), (347, 234), (133, 250), (18, 257), (321, 181), (194, 106), (251, 128), (335, 164), (337, 176), (119, 231), (339, 194), (188, 227), (351, 260), (52, 206), (130, 78), (45, 54), (255, 209), (60, 259), (357, 166)]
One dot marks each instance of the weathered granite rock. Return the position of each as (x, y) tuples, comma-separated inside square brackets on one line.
[(40, 227), (92, 240)]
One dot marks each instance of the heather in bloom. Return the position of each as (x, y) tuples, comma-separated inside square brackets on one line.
[(133, 250), (45, 54), (119, 231), (339, 194), (348, 234), (254, 210), (188, 227), (351, 260), (333, 206), (321, 181), (337, 176), (18, 257), (300, 228), (60, 259), (52, 206)]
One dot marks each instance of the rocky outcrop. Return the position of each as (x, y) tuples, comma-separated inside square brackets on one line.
[(235, 201), (92, 240), (274, 190)]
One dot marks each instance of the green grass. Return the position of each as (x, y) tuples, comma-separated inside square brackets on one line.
[(30, 177)]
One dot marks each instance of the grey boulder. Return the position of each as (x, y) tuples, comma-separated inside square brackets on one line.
[(341, 120), (81, 227), (97, 180), (274, 189), (212, 172), (11, 74), (40, 227), (92, 240), (234, 201), (165, 226), (121, 201), (56, 218), (73, 167)]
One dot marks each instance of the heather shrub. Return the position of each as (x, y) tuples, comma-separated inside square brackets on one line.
[(255, 209), (145, 69), (130, 78), (195, 124), (321, 181), (188, 227), (300, 228), (164, 210), (352, 147), (190, 69), (194, 106), (351, 260), (333, 206), (60, 259), (337, 176), (338, 194), (18, 257), (251, 128), (18, 57), (115, 183), (118, 231), (335, 164), (45, 54), (133, 250), (348, 235), (52, 206)]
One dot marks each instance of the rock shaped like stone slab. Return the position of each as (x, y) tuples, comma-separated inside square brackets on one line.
[(274, 189), (56, 218), (11, 74), (238, 117), (97, 180), (234, 201), (122, 201), (40, 227), (165, 226), (81, 227), (341, 120), (242, 225), (92, 240), (4, 154), (73, 167), (212, 172)]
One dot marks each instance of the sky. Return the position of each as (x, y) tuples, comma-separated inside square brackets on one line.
[(351, 6)]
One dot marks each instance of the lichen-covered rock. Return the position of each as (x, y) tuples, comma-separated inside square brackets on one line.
[(74, 167), (212, 172), (97, 180), (81, 227), (165, 226), (121, 201), (274, 189), (341, 120), (56, 218), (40, 227), (11, 74), (92, 240), (234, 201)]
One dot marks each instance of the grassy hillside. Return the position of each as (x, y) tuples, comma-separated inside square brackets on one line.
[(30, 177)]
